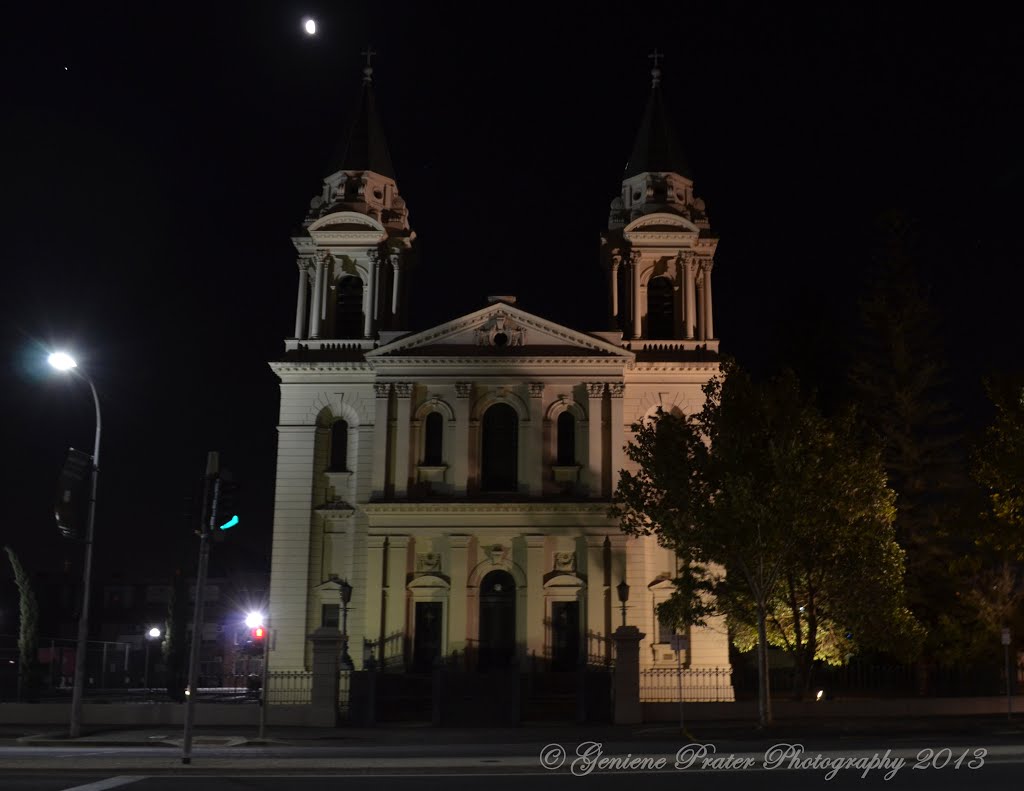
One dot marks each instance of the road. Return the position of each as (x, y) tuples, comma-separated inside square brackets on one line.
[(1001, 776)]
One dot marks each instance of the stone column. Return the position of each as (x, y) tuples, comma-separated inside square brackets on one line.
[(626, 695), (536, 629), (301, 302), (616, 260), (597, 616), (403, 392), (595, 447), (324, 697), (709, 324), (318, 287), (702, 311), (460, 453), (382, 391), (458, 576), (534, 455), (637, 309), (396, 601), (394, 288), (370, 298), (691, 308), (617, 431)]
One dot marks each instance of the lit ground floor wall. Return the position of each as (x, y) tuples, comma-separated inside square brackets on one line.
[(448, 579)]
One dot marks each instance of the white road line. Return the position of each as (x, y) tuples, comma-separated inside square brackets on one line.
[(110, 782)]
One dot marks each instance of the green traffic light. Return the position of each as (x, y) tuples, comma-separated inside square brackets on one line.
[(230, 523)]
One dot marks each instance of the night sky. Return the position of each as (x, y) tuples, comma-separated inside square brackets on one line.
[(157, 158)]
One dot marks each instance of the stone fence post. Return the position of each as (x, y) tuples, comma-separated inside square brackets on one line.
[(326, 653), (626, 693)]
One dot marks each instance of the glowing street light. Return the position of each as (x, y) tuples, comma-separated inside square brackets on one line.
[(254, 619), (309, 25), (64, 362)]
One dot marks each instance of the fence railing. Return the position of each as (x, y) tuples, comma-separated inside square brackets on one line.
[(703, 684), (286, 687)]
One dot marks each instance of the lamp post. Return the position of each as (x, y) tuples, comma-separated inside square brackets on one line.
[(623, 590), (65, 362), (151, 635), (346, 596)]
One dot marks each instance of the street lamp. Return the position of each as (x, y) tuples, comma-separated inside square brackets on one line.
[(151, 635), (623, 590), (66, 363), (346, 596)]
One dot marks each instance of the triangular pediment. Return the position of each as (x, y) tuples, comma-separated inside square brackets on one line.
[(500, 330)]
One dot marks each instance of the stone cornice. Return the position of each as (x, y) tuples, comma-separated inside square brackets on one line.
[(589, 509), (353, 366), (503, 363)]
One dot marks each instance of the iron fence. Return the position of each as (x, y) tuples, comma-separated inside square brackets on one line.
[(703, 685)]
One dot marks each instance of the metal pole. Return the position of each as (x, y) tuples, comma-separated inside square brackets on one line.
[(212, 472), (1009, 684), (679, 675), (263, 683), (145, 674), (75, 729)]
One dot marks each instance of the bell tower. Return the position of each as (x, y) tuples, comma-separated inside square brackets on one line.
[(658, 250), (355, 246)]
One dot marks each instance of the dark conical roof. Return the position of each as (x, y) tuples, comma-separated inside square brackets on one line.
[(656, 149), (365, 148)]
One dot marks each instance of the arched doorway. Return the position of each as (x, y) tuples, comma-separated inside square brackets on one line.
[(500, 458), (497, 620)]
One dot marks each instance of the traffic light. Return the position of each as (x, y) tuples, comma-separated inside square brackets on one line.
[(73, 493), (259, 633), (227, 502)]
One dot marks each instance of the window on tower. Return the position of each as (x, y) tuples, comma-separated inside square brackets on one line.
[(566, 439), (339, 446), (433, 445), (348, 309), (660, 308)]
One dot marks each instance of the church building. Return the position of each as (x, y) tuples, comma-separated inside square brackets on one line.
[(455, 480)]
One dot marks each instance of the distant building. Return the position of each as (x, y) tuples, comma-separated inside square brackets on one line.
[(459, 476)]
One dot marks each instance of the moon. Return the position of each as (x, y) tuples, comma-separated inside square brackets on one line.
[(310, 26)]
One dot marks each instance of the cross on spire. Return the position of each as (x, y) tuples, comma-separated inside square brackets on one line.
[(655, 71), (369, 52)]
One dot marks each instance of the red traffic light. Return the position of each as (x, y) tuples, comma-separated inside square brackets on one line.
[(258, 633)]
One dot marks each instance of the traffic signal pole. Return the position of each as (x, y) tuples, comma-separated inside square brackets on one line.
[(211, 491)]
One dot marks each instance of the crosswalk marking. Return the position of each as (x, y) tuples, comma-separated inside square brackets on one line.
[(110, 782)]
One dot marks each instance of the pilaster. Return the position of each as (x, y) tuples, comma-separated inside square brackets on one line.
[(595, 451), (458, 574), (534, 455), (382, 393), (617, 431), (403, 392), (460, 460), (536, 628)]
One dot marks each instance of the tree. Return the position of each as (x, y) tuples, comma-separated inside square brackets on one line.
[(28, 629), (898, 380), (760, 484)]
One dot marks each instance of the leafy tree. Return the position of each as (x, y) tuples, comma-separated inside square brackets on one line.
[(760, 484), (997, 592), (898, 380), (28, 629)]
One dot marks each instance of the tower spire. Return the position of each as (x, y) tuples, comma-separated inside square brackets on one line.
[(368, 53), (655, 71)]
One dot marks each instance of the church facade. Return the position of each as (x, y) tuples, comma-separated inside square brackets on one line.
[(458, 478)]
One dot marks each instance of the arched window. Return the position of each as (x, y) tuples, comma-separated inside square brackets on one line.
[(566, 440), (339, 446), (499, 457), (348, 309), (433, 440), (660, 313)]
